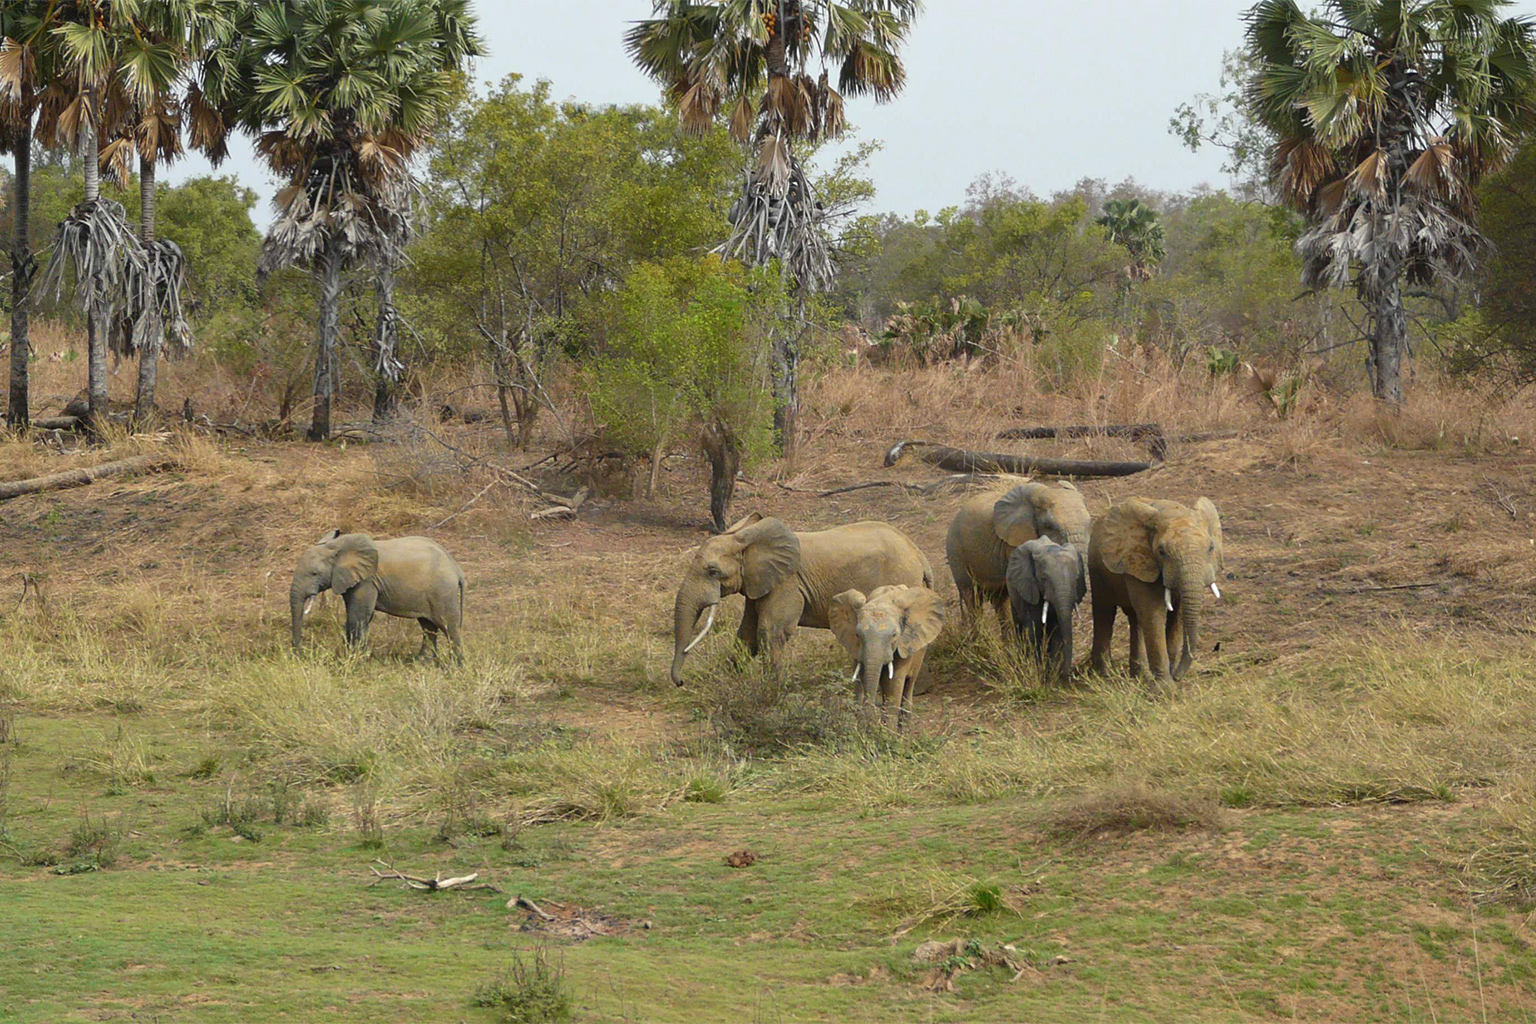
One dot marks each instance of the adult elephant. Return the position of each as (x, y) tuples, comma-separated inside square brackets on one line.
[(788, 578), (988, 527), (1152, 559), (409, 577)]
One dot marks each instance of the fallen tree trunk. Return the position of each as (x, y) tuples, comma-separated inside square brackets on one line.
[(58, 423), (86, 475), (959, 460), (1149, 434), (958, 480)]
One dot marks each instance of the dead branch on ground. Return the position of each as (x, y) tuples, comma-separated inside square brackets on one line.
[(528, 904), (87, 475), (955, 482), (959, 460), (437, 883)]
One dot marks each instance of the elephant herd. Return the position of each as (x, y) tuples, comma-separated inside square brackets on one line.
[(1032, 549)]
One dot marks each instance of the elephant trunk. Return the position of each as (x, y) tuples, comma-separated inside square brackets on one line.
[(1061, 642), (297, 600), (1190, 588), (879, 663), (695, 595)]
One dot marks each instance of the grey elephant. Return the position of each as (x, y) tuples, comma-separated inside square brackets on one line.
[(1153, 559), (788, 579), (988, 527), (1045, 585), (408, 577), (887, 633)]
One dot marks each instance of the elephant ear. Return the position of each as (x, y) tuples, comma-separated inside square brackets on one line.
[(1021, 575), (772, 552), (843, 619), (922, 617), (1082, 571), (1207, 508), (356, 560), (745, 521), (328, 536), (1013, 516), (1125, 539)]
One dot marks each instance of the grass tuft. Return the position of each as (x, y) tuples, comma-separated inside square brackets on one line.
[(1134, 807), (529, 990)]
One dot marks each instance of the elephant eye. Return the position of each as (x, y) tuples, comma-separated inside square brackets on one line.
[(715, 572)]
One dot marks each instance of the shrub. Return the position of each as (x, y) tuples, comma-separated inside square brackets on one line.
[(529, 990)]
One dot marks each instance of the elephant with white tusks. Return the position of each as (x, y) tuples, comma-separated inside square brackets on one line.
[(789, 579), (887, 633), (1046, 583), (408, 577)]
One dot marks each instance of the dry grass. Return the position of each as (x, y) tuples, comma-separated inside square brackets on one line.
[(1130, 807)]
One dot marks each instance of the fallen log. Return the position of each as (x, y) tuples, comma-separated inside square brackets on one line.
[(85, 475), (959, 460), (956, 481), (1149, 434), (58, 423)]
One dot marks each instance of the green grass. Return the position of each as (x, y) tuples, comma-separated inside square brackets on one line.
[(188, 830)]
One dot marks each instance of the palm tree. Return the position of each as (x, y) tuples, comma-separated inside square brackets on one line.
[(341, 94), (765, 67), (24, 69), (1388, 113), (1135, 225), (163, 62)]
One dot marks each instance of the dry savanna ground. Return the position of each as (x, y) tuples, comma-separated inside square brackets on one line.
[(1333, 819)]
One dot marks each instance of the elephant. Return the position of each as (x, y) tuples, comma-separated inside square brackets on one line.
[(887, 634), (409, 577), (1152, 559), (990, 526), (1045, 586), (788, 578)]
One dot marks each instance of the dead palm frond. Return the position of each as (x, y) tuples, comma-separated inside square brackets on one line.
[(97, 243)]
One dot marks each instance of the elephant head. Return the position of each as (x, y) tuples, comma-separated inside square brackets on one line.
[(1046, 578), (752, 557), (1036, 510), (338, 562), (1172, 544), (891, 623)]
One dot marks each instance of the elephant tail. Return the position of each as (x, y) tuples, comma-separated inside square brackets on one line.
[(461, 598)]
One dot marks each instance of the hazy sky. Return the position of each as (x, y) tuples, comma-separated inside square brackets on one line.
[(1047, 91)]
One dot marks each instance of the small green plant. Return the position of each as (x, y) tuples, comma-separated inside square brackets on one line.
[(365, 812), (93, 845), (1220, 361), (707, 789), (529, 990)]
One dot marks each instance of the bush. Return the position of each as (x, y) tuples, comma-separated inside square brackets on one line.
[(530, 990), (1124, 809)]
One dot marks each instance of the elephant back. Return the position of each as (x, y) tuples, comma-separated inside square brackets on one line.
[(861, 556)]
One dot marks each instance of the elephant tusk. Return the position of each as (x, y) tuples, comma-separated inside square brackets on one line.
[(707, 623), (1045, 610), (1168, 598), (1216, 590), (855, 677), (309, 605), (890, 668)]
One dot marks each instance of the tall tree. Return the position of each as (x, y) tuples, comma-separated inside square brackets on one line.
[(765, 66), (162, 63), (1135, 225), (1388, 113), (341, 94), (24, 70)]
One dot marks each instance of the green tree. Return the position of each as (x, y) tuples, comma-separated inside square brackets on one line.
[(689, 349), (764, 66), (1388, 114), (342, 94), (1134, 225)]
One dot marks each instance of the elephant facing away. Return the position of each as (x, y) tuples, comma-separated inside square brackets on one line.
[(1045, 586), (988, 527), (887, 633), (408, 577), (1152, 559), (788, 578)]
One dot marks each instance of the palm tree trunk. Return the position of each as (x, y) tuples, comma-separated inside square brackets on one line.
[(386, 339), (17, 415), (330, 326), (1390, 337), (149, 354), (96, 333)]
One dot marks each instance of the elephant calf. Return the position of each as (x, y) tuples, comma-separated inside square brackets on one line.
[(1046, 583), (887, 633), (409, 577)]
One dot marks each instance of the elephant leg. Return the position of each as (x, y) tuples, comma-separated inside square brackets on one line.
[(1134, 621), (909, 684), (1177, 648), (429, 631), (747, 631), (777, 616), (890, 697), (1103, 635), (1155, 633), (360, 602), (455, 639), (999, 603)]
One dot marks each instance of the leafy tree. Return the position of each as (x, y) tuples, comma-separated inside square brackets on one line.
[(755, 63), (342, 94), (689, 349), (1134, 225), (1388, 113), (1501, 331), (1228, 121), (534, 207)]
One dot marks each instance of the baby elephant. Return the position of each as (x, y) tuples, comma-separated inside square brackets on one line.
[(409, 577), (887, 632), (1046, 582)]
